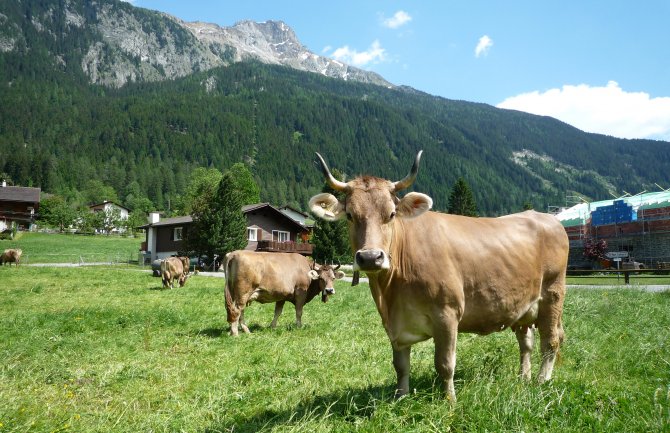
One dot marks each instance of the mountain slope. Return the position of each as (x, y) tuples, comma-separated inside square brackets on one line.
[(118, 43), (144, 138)]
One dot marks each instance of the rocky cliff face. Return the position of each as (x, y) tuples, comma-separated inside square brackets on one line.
[(274, 42), (125, 44)]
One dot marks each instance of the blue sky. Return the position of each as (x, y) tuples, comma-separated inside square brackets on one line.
[(602, 66)]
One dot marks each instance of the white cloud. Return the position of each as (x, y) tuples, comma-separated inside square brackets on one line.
[(374, 54), (605, 110), (400, 18), (483, 46)]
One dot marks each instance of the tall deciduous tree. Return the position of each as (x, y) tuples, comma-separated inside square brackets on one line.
[(461, 201), (55, 212), (246, 184), (200, 190), (330, 239)]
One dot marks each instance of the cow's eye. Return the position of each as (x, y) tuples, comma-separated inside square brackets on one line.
[(392, 215), (349, 217)]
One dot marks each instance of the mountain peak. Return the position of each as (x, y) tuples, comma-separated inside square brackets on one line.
[(274, 42), (120, 43)]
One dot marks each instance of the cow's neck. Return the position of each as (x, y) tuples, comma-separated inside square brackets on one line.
[(313, 289)]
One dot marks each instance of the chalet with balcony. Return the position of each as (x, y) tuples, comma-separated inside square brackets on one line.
[(19, 206), (268, 229)]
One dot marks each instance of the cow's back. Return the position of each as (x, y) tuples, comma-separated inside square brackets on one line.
[(273, 275), (490, 268)]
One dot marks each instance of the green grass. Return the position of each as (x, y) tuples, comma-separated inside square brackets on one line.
[(104, 349), (70, 248)]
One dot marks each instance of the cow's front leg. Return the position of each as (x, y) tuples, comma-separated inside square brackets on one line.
[(298, 313), (445, 357), (279, 306), (401, 365), (526, 338)]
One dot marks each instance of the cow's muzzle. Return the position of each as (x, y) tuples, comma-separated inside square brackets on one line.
[(327, 292), (371, 260)]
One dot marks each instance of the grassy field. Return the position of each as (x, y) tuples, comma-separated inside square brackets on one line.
[(70, 248), (105, 349)]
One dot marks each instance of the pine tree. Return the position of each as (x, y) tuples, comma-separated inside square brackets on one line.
[(461, 201), (219, 225), (331, 238)]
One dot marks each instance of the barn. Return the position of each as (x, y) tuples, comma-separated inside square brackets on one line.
[(636, 228)]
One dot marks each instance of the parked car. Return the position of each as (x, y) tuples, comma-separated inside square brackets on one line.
[(632, 264)]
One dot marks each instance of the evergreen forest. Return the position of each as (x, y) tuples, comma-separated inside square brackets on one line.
[(143, 140)]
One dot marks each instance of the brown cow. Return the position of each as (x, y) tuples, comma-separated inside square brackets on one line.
[(434, 274), (173, 268), (11, 255), (273, 277)]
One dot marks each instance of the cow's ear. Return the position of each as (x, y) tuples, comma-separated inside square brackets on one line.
[(313, 274), (339, 275), (326, 206), (413, 204)]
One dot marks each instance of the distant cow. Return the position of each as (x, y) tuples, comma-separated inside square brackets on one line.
[(172, 269), (11, 255), (435, 275), (273, 277)]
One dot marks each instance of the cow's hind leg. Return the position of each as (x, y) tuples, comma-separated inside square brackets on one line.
[(279, 306), (526, 338), (243, 324), (550, 326), (401, 365)]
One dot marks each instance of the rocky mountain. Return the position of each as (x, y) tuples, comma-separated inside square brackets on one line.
[(100, 96), (121, 43)]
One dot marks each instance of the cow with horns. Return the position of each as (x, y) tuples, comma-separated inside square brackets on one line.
[(274, 277), (435, 275)]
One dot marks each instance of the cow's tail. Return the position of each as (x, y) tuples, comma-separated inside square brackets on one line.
[(232, 310)]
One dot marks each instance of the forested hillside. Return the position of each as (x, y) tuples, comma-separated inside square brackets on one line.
[(58, 132)]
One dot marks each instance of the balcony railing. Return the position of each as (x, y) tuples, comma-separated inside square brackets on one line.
[(284, 247)]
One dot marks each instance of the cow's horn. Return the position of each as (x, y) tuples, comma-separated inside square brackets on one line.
[(409, 179), (334, 183), (338, 265)]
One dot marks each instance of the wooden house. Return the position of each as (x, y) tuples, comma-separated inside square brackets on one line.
[(19, 206), (268, 229)]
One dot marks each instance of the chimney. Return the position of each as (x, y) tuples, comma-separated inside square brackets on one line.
[(154, 217)]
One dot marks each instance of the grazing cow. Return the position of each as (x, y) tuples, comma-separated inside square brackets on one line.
[(172, 269), (11, 255), (273, 277), (434, 274), (186, 263)]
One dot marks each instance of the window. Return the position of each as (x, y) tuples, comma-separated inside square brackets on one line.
[(280, 236), (177, 234), (252, 234)]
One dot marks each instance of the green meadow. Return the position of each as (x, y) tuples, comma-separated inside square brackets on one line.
[(106, 349), (74, 248)]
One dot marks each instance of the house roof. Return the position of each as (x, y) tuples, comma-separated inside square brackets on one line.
[(106, 202), (246, 209), (579, 213), (20, 193), (170, 222), (299, 216), (258, 206)]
